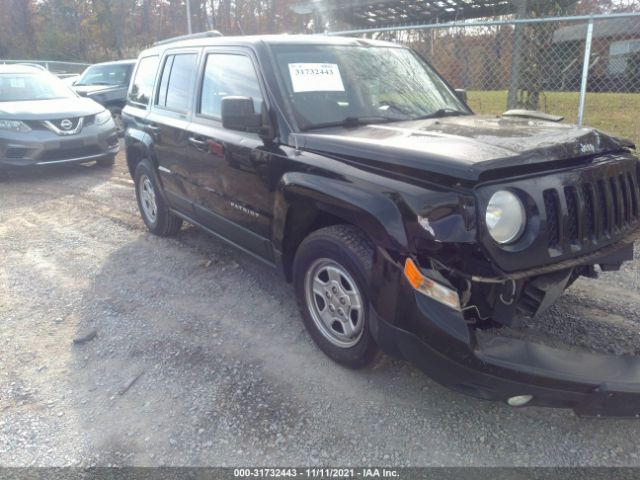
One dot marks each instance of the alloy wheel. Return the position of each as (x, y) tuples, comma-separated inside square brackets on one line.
[(335, 303)]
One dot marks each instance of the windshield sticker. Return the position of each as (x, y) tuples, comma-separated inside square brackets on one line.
[(17, 83), (315, 77)]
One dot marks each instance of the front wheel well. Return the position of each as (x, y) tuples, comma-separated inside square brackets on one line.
[(302, 221)]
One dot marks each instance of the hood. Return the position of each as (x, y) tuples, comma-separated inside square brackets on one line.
[(87, 90), (464, 147), (49, 109)]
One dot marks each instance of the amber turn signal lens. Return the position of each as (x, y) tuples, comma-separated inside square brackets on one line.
[(413, 274), (429, 287)]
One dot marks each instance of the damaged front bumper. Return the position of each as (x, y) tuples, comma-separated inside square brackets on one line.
[(439, 341)]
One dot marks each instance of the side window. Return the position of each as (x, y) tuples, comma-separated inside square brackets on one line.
[(176, 84), (142, 85), (228, 75), (164, 81)]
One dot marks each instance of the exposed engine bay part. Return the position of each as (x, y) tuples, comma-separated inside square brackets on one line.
[(487, 304), (539, 294)]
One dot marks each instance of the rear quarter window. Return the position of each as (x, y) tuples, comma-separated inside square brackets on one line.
[(142, 84)]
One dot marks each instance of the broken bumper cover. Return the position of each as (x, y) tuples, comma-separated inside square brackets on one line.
[(437, 339)]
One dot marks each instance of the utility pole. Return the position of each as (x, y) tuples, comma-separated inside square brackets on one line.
[(585, 71), (189, 16)]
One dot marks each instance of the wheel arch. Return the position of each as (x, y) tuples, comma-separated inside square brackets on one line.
[(137, 148), (306, 202)]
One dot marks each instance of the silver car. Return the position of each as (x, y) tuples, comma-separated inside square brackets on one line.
[(43, 122)]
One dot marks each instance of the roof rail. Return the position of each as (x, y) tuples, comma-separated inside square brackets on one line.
[(192, 36)]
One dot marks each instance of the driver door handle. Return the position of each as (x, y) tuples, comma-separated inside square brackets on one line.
[(199, 144), (196, 142)]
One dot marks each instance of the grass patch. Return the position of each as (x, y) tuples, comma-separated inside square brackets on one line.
[(615, 113)]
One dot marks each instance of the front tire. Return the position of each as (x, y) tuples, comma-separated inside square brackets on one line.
[(153, 208), (331, 270)]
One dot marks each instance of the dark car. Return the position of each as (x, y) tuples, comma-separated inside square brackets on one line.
[(43, 122), (405, 222), (107, 83)]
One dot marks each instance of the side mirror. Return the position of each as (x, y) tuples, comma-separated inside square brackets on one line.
[(461, 93), (238, 114)]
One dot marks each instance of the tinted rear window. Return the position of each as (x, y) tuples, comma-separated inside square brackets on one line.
[(142, 85)]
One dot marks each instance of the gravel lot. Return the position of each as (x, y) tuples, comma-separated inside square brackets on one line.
[(200, 356)]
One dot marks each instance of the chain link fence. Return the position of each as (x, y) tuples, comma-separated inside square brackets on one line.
[(553, 65)]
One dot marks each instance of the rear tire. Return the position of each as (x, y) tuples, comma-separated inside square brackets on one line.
[(153, 208), (331, 271)]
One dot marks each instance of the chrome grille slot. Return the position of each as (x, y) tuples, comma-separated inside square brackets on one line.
[(626, 199), (573, 217), (633, 187), (604, 205), (616, 202), (552, 207), (589, 214)]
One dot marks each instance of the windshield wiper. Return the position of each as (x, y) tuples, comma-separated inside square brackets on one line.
[(352, 122), (443, 112)]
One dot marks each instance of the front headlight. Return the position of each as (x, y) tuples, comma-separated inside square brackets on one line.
[(505, 217), (14, 126), (103, 117)]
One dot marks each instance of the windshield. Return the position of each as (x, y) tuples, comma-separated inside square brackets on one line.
[(340, 85), (32, 86), (115, 74)]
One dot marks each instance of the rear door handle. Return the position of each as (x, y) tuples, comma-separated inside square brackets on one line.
[(153, 128), (199, 144)]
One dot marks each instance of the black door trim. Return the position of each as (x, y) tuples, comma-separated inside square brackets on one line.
[(225, 225)]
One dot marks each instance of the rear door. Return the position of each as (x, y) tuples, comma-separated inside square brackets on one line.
[(168, 123)]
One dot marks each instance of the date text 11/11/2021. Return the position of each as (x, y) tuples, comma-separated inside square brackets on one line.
[(369, 472)]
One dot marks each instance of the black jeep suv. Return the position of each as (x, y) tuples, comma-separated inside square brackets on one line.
[(405, 222)]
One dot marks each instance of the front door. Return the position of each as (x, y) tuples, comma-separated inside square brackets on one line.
[(234, 192)]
